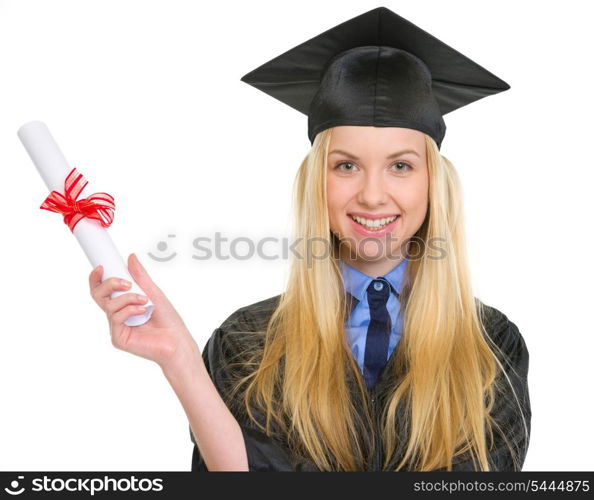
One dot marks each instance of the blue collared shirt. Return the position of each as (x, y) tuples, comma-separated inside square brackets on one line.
[(356, 284)]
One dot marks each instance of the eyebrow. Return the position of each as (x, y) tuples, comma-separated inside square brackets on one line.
[(393, 155)]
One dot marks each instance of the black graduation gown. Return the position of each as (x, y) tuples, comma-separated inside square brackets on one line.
[(267, 453)]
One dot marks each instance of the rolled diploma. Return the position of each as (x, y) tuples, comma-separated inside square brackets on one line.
[(93, 238)]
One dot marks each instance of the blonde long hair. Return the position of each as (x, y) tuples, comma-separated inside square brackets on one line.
[(300, 377)]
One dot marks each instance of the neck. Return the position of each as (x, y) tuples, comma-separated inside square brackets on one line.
[(372, 268)]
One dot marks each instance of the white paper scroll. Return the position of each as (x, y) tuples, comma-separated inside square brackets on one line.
[(93, 238)]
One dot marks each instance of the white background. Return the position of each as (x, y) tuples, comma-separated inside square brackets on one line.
[(145, 99)]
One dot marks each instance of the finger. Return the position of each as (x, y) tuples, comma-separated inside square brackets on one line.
[(114, 305), (117, 319), (102, 292), (145, 282), (95, 277)]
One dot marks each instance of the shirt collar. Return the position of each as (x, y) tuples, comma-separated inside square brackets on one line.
[(356, 282)]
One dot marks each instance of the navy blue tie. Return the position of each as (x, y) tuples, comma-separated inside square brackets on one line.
[(378, 332)]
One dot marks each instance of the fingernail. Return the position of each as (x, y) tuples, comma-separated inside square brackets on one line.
[(125, 283)]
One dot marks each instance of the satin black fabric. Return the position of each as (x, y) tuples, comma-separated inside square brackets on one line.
[(225, 349), (376, 86), (376, 69)]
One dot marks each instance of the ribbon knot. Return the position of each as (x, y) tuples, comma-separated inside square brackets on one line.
[(98, 206), (76, 208)]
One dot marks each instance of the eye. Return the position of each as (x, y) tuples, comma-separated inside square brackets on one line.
[(344, 163), (406, 165)]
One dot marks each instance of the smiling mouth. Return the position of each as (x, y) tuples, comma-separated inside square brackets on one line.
[(374, 224)]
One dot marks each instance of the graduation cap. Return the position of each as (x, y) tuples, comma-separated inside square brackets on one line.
[(376, 69)]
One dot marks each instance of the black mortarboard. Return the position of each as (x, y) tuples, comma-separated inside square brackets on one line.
[(376, 69)]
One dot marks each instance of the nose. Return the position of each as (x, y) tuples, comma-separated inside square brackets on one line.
[(373, 189)]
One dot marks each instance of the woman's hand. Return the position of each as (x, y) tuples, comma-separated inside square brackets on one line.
[(163, 339)]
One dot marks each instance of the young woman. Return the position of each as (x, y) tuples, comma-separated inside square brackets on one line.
[(377, 356)]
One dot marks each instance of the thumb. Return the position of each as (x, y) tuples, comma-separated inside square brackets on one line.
[(140, 275)]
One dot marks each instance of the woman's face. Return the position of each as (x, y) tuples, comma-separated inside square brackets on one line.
[(377, 189)]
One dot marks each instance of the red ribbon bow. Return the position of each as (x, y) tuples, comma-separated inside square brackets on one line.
[(98, 206)]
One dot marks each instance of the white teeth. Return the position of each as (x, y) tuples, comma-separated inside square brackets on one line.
[(374, 224)]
